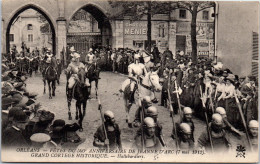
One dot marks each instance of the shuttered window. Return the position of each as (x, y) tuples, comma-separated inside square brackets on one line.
[(255, 52)]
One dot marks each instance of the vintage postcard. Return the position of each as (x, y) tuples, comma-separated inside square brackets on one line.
[(129, 81)]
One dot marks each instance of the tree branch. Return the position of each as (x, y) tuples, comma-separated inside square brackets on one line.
[(204, 8)]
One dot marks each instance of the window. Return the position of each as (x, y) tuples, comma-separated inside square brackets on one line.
[(30, 38), (11, 37), (161, 31), (205, 15), (182, 14), (29, 27)]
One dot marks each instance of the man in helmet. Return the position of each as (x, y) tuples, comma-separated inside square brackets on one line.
[(153, 113), (185, 139), (187, 118), (149, 141), (112, 131), (73, 69), (220, 139), (227, 125), (253, 136), (146, 103), (91, 61), (73, 53), (136, 70)]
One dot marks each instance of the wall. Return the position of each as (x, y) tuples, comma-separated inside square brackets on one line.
[(236, 22)]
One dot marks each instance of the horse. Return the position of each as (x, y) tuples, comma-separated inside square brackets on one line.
[(146, 87), (50, 75), (92, 76), (80, 94)]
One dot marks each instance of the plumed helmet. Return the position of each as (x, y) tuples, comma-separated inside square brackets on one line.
[(187, 110), (220, 110), (109, 114), (76, 55), (253, 124), (49, 50), (217, 119), (136, 56), (185, 128), (152, 111), (149, 122), (72, 49)]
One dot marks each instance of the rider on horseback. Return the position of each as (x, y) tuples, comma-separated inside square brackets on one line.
[(135, 70), (73, 68), (91, 60)]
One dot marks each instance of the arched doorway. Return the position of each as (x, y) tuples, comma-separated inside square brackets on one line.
[(29, 26), (88, 28)]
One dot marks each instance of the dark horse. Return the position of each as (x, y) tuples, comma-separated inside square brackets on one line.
[(92, 73), (50, 74), (80, 93)]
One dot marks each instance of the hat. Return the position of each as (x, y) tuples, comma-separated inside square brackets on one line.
[(13, 110), (57, 128), (230, 77), (46, 117), (48, 50), (20, 116), (76, 55), (23, 101), (40, 137), (72, 49), (252, 78), (71, 127)]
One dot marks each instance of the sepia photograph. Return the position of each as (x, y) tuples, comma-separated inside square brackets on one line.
[(129, 81)]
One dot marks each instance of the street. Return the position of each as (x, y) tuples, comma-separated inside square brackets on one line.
[(111, 99)]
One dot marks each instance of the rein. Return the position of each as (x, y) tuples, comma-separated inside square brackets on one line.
[(151, 88)]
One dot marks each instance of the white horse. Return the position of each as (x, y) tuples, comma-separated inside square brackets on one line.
[(146, 87)]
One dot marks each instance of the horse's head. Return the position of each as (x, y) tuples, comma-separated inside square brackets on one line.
[(82, 76), (155, 81)]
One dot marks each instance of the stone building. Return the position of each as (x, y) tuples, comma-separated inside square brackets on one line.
[(167, 30)]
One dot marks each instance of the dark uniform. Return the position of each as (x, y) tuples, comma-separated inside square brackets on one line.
[(13, 137)]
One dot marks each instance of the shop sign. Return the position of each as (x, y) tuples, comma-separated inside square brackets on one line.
[(135, 28)]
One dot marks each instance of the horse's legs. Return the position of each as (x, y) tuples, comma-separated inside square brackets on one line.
[(84, 108), (53, 87), (69, 98), (77, 109), (96, 82), (127, 109), (49, 84), (80, 114), (44, 84)]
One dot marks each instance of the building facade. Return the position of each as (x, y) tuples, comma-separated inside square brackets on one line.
[(171, 30)]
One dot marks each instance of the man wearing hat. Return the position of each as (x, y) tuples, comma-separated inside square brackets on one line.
[(113, 133), (13, 136), (72, 53), (57, 134), (250, 99)]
